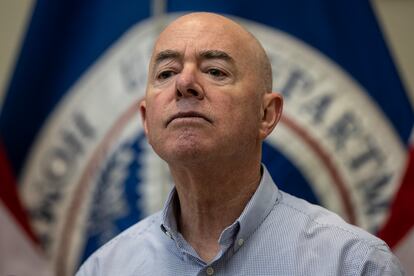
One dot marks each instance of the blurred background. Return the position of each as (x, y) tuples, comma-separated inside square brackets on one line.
[(75, 169)]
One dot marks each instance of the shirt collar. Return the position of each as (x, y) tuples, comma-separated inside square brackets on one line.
[(256, 210), (169, 222)]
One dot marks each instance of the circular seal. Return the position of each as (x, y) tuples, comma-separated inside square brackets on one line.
[(92, 174)]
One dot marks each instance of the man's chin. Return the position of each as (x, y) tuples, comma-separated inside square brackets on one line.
[(185, 153)]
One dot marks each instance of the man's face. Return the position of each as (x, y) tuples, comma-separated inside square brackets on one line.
[(204, 95)]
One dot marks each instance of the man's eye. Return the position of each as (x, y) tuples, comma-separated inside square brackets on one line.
[(165, 74), (216, 73)]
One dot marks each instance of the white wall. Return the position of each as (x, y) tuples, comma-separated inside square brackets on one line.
[(14, 14), (397, 21), (396, 18)]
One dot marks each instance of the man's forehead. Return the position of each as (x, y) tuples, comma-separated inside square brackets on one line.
[(204, 31), (196, 39), (205, 47)]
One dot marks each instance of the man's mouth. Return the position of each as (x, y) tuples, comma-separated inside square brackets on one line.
[(189, 114)]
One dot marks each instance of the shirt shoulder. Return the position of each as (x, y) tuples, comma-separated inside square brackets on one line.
[(315, 218), (317, 235), (125, 253)]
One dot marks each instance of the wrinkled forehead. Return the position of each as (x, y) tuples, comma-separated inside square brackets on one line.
[(201, 34)]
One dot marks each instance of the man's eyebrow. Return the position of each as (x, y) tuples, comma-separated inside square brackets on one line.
[(216, 54), (166, 54), (207, 54)]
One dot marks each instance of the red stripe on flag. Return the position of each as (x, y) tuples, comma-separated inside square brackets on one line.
[(10, 197), (401, 218)]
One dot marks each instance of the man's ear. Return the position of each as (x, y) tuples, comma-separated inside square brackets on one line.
[(271, 113), (143, 112)]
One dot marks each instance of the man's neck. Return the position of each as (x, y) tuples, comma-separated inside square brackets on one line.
[(212, 198)]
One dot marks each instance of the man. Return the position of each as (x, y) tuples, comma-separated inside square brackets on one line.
[(207, 110)]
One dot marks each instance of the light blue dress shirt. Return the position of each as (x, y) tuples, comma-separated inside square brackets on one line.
[(276, 234)]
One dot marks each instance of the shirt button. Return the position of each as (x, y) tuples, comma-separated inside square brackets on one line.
[(210, 270), (240, 242), (168, 234)]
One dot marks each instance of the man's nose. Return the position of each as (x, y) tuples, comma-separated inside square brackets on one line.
[(187, 84)]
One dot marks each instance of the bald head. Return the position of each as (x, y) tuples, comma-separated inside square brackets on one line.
[(251, 52)]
